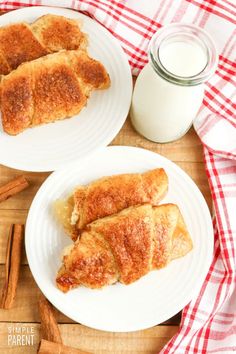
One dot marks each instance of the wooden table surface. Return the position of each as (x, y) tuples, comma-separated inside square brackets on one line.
[(187, 153)]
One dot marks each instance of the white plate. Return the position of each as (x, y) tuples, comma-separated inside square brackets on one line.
[(52, 146), (150, 300)]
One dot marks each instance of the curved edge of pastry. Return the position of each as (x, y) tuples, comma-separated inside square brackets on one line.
[(156, 184), (17, 99), (181, 241), (169, 217), (57, 32), (65, 281), (88, 262)]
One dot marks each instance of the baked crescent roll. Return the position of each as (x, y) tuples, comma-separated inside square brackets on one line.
[(109, 195), (124, 247), (47, 89), (22, 42)]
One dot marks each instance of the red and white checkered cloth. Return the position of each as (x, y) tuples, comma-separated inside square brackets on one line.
[(209, 322)]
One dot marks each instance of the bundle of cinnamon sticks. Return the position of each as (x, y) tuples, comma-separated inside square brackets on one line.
[(14, 245)]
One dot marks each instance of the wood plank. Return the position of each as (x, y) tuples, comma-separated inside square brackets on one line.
[(25, 308), (188, 148), (11, 216), (149, 341)]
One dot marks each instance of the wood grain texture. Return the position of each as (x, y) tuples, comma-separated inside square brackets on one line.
[(188, 148), (47, 347), (149, 341)]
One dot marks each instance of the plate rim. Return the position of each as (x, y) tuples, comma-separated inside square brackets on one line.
[(23, 165), (140, 326)]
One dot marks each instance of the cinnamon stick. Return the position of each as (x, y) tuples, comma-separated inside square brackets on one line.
[(12, 265), (13, 187), (46, 347), (49, 327)]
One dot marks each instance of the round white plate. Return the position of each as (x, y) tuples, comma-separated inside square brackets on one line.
[(119, 308), (52, 146)]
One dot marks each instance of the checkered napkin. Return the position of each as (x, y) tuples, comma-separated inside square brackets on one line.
[(209, 322)]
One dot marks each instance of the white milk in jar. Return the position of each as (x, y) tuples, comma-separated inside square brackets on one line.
[(169, 90)]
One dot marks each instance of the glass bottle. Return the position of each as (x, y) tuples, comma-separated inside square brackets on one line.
[(169, 90)]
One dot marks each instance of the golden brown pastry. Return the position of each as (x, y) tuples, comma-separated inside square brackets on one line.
[(48, 89), (58, 32), (109, 195), (22, 42), (124, 247)]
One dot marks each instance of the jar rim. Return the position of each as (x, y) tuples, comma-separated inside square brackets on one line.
[(196, 33)]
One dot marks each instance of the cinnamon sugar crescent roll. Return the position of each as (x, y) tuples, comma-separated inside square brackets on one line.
[(109, 195), (124, 247)]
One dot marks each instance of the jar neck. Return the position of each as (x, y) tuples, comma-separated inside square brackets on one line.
[(176, 35)]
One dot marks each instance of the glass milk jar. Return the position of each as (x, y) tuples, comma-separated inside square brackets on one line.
[(169, 90)]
